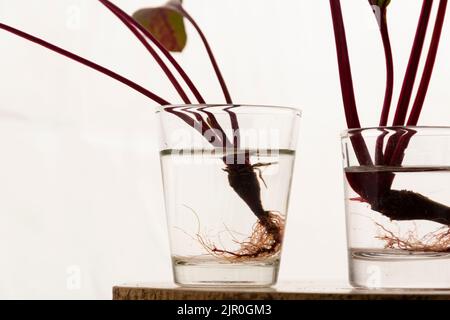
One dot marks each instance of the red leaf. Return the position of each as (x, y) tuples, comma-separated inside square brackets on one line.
[(166, 24)]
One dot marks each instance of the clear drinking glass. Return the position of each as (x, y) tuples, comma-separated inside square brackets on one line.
[(227, 172), (397, 196)]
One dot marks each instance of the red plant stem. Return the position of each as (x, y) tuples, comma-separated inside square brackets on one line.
[(196, 115), (384, 31), (348, 95), (86, 62), (199, 125), (204, 125), (219, 75), (215, 124), (379, 157), (429, 65), (402, 144), (398, 149), (389, 68), (137, 29), (395, 149), (400, 140), (161, 47), (150, 49), (413, 64), (234, 122), (235, 127)]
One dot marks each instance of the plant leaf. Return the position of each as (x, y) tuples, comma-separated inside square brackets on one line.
[(166, 24)]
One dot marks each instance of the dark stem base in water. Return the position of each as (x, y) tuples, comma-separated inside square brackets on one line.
[(407, 205), (266, 239), (373, 185)]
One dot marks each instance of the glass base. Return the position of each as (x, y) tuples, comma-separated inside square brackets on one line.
[(195, 272), (383, 268)]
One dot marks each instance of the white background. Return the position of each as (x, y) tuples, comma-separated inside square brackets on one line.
[(81, 205)]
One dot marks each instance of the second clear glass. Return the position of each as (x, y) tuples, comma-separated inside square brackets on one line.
[(397, 196)]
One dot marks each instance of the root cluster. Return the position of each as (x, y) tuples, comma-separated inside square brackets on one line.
[(267, 233), (436, 241), (264, 242)]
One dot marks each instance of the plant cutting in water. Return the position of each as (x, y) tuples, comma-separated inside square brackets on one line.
[(162, 30), (373, 179)]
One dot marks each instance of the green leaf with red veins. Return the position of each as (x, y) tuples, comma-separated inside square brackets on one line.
[(166, 24)]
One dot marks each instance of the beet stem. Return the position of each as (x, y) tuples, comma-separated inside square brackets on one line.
[(376, 188), (220, 78), (396, 149), (389, 69), (86, 62), (235, 127), (197, 123), (384, 32), (413, 64), (345, 72), (211, 56), (140, 32), (150, 49), (348, 95), (161, 47), (429, 65), (215, 124)]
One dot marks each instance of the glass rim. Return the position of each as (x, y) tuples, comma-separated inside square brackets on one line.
[(348, 132), (194, 106)]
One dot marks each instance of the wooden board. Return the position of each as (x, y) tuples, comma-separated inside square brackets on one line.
[(283, 291)]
